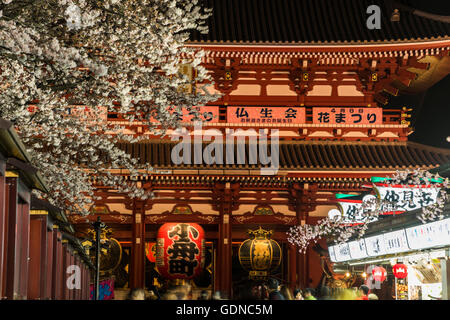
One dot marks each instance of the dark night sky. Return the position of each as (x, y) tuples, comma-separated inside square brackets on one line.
[(430, 118)]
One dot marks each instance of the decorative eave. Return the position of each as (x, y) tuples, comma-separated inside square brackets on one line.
[(322, 50), (331, 45), (320, 156)]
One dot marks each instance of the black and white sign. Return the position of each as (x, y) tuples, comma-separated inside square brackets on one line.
[(429, 235), (395, 242), (342, 252), (358, 249), (375, 246)]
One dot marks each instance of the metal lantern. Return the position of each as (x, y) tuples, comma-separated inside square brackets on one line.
[(379, 274), (400, 271), (260, 255), (180, 250)]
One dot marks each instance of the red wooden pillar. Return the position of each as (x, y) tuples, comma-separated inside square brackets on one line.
[(137, 267), (49, 265), (292, 260), (10, 237), (62, 273), (83, 280), (224, 255), (24, 214), (86, 291), (38, 254), (57, 264), (72, 291), (11, 276), (66, 256), (79, 264), (227, 255), (88, 284), (302, 273), (81, 291)]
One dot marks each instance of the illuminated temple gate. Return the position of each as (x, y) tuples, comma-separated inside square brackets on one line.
[(325, 90)]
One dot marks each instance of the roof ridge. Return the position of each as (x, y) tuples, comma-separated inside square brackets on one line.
[(430, 148), (331, 43)]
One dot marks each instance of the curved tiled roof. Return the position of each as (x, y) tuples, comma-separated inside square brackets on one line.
[(312, 22), (312, 155)]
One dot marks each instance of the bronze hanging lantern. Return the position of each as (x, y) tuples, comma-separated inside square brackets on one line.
[(260, 255)]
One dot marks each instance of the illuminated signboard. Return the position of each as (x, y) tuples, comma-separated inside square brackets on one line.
[(358, 249), (338, 115), (375, 245), (423, 236), (342, 252), (429, 235), (404, 198), (395, 242), (266, 115), (350, 208)]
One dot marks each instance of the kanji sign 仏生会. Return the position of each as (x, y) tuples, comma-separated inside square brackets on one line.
[(266, 115)]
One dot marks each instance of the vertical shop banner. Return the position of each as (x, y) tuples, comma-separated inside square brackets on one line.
[(106, 291), (337, 115), (266, 115)]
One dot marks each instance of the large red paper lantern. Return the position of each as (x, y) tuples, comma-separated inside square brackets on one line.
[(400, 271), (180, 250), (379, 274)]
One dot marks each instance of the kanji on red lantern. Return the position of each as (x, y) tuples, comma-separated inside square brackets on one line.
[(180, 250), (400, 271), (379, 274)]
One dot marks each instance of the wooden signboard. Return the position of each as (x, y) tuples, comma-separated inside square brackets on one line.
[(338, 115), (266, 115)]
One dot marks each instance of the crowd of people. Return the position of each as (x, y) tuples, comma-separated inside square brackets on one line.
[(267, 290)]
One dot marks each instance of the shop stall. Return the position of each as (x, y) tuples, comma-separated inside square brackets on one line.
[(415, 256)]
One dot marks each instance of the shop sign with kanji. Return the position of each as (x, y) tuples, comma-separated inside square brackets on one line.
[(406, 198), (351, 211), (339, 115), (266, 115)]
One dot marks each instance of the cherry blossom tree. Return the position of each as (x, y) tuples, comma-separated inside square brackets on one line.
[(333, 229), (65, 63)]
